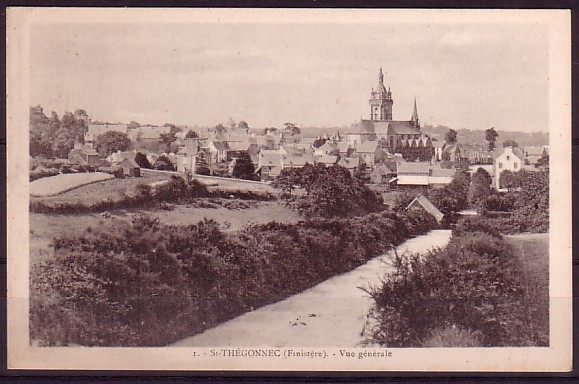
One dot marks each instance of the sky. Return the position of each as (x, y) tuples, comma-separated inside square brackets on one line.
[(473, 76)]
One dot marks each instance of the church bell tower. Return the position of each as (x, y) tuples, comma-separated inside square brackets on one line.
[(381, 101)]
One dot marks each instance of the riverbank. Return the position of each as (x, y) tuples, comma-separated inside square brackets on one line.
[(331, 314)]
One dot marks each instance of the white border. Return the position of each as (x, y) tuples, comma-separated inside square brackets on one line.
[(556, 358)]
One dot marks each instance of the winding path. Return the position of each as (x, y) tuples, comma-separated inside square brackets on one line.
[(330, 314)]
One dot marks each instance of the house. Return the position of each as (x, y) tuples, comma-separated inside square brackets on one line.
[(438, 148), (352, 164), (95, 130), (382, 174), (451, 152), (129, 167), (345, 149), (328, 148), (119, 156), (413, 174), (84, 155), (533, 154), (427, 205), (371, 152), (512, 159), (476, 155), (440, 177), (217, 151), (187, 156), (327, 160), (270, 164), (297, 161)]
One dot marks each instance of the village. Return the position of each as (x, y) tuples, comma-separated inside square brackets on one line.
[(387, 154)]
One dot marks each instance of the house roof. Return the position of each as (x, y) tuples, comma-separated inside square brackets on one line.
[(328, 146), (220, 145), (238, 145), (382, 169), (327, 159), (428, 206), (343, 146), (349, 162), (128, 162), (441, 172), (297, 161), (414, 167), (451, 148), (367, 147)]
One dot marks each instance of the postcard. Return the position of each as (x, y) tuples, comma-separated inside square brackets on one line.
[(289, 190)]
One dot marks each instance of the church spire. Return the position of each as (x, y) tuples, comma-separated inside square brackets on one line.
[(414, 118), (381, 78)]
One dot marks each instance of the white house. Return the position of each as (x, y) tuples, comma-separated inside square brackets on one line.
[(510, 160)]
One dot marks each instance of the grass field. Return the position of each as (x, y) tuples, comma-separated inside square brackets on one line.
[(532, 252), (44, 227), (109, 189), (54, 185)]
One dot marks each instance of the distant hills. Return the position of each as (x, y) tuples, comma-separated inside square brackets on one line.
[(467, 136)]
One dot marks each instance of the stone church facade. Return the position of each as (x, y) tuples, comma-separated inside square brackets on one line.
[(404, 137)]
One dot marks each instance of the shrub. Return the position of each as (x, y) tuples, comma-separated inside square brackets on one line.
[(142, 283), (471, 285)]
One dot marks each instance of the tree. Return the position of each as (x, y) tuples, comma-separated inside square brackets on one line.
[(450, 136), (112, 141), (142, 161), (219, 128), (167, 139), (191, 134), (543, 161), (269, 130), (201, 166), (491, 136), (480, 187), (133, 125), (292, 128), (510, 143), (243, 125), (319, 142), (164, 164), (244, 168), (509, 180)]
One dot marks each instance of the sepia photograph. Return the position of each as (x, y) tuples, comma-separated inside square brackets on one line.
[(325, 190)]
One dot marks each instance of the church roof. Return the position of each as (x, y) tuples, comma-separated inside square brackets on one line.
[(390, 127)]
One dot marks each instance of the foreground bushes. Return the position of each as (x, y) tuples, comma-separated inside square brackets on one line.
[(469, 293), (146, 284)]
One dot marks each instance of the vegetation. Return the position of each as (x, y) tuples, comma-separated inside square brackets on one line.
[(471, 293), (201, 165), (111, 142), (142, 161), (148, 284), (329, 191), (53, 137), (164, 164), (480, 187), (491, 136), (244, 168), (527, 201), (450, 136)]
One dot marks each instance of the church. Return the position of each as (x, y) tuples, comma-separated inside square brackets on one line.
[(403, 137)]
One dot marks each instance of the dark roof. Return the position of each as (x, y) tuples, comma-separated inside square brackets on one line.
[(390, 127), (428, 206), (412, 167), (220, 145)]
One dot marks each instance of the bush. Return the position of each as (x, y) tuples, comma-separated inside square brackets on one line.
[(144, 283), (466, 294)]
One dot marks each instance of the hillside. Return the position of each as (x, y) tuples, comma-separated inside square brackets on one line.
[(467, 136)]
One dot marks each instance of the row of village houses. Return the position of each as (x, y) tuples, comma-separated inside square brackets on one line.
[(274, 151)]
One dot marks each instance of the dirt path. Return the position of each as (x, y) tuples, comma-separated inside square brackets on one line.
[(331, 314)]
